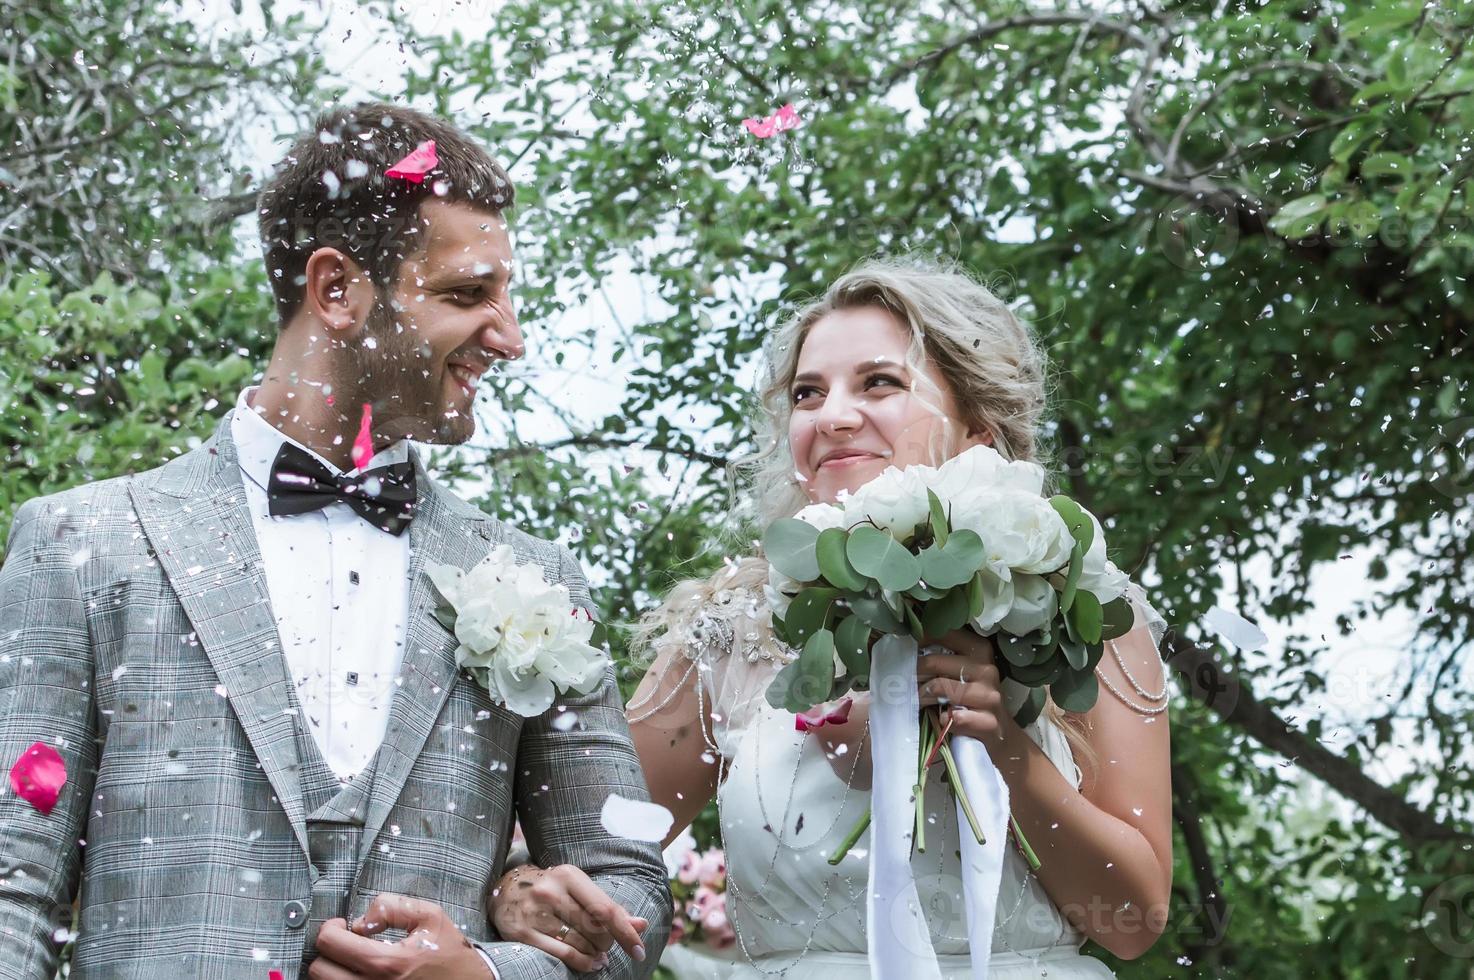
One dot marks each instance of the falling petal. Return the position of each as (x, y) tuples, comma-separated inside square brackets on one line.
[(1235, 629), (38, 776), (819, 717), (416, 165), (781, 121), (635, 819), (363, 446)]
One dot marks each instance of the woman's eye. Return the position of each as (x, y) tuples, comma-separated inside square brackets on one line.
[(800, 393), (888, 379)]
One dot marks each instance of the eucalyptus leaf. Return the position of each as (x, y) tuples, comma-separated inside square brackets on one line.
[(1085, 613), (940, 528), (834, 564), (852, 643), (953, 564), (1075, 690), (1032, 707), (942, 616), (790, 546), (1117, 618), (876, 614), (809, 613), (875, 553)]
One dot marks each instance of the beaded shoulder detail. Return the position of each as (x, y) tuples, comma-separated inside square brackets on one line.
[(735, 622)]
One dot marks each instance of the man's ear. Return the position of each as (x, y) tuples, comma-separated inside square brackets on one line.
[(338, 293)]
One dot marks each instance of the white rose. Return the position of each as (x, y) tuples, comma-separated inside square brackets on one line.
[(895, 501), (997, 597), (984, 468), (1034, 604), (822, 516), (1018, 528), (518, 634)]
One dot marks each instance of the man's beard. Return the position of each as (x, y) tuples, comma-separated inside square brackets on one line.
[(394, 372)]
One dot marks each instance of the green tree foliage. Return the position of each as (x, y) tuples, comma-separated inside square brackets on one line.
[(1243, 231)]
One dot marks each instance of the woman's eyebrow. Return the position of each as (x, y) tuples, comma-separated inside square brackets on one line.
[(879, 364)]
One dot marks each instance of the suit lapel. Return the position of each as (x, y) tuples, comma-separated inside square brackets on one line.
[(196, 518), (438, 535)]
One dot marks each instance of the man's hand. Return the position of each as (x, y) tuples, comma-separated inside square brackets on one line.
[(433, 950)]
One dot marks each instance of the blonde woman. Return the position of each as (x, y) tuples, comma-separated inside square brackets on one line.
[(897, 363)]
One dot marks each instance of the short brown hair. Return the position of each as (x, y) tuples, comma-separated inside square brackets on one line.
[(330, 191)]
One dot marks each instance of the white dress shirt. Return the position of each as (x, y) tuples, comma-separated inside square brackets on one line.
[(339, 589)]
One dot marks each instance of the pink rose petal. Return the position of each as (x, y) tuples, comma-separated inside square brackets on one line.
[(38, 776), (275, 975), (781, 121), (363, 445), (818, 717), (416, 165)]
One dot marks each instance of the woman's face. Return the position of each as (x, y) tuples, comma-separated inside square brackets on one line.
[(858, 409)]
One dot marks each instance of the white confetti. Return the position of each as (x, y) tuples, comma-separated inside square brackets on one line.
[(119, 671), (1235, 629), (635, 819), (566, 721)]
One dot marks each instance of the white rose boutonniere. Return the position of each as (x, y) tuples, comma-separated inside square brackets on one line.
[(522, 638)]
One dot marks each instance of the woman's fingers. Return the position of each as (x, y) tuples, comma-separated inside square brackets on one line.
[(969, 669), (979, 697), (617, 924), (575, 960)]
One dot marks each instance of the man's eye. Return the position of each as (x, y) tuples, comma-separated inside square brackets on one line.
[(465, 296)]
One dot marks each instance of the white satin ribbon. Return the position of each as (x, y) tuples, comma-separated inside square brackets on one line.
[(899, 942)]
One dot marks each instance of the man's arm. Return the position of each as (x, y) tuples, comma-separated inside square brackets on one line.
[(563, 779), (46, 695)]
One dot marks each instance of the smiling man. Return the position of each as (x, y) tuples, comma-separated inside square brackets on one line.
[(273, 757)]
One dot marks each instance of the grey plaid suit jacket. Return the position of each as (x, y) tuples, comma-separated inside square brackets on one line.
[(139, 641)]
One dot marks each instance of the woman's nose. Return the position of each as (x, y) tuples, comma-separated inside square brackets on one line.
[(839, 413)]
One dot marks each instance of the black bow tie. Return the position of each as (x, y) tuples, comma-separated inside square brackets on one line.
[(300, 483)]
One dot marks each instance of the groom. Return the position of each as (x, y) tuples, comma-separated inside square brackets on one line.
[(273, 762)]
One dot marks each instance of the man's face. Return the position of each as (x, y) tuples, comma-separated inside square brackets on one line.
[(448, 319)]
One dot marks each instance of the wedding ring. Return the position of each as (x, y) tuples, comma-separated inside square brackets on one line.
[(563, 933)]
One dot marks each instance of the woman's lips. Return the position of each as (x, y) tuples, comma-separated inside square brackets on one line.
[(846, 459)]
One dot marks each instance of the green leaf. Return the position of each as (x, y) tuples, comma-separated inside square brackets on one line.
[(1072, 579), (1075, 652), (939, 526), (1300, 217), (834, 564), (1039, 674), (876, 614), (976, 597), (809, 613), (1085, 613), (790, 546), (1075, 690), (1117, 618), (806, 681), (1386, 165), (1032, 707), (1017, 650), (875, 553), (914, 624), (852, 643), (942, 616), (1082, 529), (955, 562)]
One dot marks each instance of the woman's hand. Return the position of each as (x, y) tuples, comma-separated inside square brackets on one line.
[(563, 913), (966, 683)]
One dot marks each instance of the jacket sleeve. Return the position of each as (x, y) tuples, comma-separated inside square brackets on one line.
[(563, 779), (46, 696)]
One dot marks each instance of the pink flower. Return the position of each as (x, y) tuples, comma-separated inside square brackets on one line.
[(819, 716), (416, 165), (38, 776), (677, 927), (712, 870), (781, 121), (716, 928), (690, 870)]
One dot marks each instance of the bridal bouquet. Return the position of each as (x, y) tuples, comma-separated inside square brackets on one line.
[(921, 551), (520, 637)]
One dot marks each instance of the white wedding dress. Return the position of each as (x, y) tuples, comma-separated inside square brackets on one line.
[(785, 807)]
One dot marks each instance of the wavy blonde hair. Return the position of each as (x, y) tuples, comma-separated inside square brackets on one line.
[(991, 362)]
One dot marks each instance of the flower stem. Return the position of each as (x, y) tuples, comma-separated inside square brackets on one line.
[(1023, 842), (920, 789), (850, 838), (956, 778)]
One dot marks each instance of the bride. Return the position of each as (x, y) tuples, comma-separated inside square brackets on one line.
[(898, 363)]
